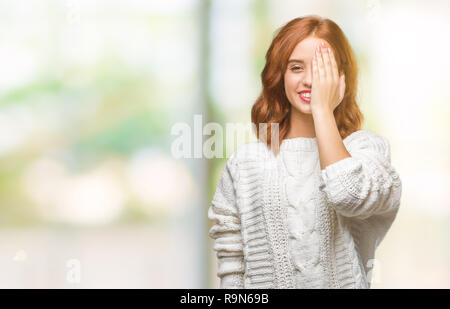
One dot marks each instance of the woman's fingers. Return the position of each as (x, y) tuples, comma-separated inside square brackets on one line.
[(334, 68), (341, 87), (327, 64), (315, 70), (320, 64)]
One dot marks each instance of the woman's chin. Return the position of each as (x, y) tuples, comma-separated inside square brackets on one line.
[(303, 107)]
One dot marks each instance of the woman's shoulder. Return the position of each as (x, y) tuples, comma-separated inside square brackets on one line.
[(252, 151), (255, 150), (244, 156)]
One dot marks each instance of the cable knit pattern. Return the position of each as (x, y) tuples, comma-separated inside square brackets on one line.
[(301, 184), (282, 222)]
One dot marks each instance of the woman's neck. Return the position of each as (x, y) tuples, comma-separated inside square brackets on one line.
[(301, 125)]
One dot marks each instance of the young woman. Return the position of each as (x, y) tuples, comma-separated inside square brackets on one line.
[(306, 210)]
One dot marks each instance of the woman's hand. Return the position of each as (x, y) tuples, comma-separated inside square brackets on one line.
[(327, 90)]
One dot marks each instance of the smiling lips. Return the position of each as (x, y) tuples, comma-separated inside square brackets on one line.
[(305, 95)]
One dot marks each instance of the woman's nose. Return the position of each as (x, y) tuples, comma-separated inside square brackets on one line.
[(308, 78)]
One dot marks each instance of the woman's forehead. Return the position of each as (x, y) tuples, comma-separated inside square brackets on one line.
[(305, 49), (310, 44)]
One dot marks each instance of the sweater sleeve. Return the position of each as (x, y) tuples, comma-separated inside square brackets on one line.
[(226, 232), (364, 184)]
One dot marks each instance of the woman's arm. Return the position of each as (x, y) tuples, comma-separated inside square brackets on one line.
[(328, 89), (365, 183), (227, 232), (329, 141), (358, 182)]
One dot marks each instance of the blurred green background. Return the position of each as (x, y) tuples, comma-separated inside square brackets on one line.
[(89, 93)]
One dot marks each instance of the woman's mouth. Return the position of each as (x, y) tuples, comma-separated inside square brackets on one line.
[(305, 96)]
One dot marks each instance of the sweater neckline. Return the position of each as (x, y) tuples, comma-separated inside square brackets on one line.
[(299, 143)]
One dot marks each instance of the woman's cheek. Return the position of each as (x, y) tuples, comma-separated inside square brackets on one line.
[(289, 87), (291, 82)]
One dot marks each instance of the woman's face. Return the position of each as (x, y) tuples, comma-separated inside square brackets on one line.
[(298, 75)]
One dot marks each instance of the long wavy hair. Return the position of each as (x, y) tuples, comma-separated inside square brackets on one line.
[(272, 106)]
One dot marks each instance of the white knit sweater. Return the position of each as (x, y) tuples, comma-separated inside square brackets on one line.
[(282, 222)]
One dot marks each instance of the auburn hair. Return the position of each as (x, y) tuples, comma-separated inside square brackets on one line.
[(272, 105)]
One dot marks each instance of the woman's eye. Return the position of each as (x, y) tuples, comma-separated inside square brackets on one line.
[(295, 68)]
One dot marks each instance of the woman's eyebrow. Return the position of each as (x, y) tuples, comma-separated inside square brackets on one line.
[(296, 60)]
